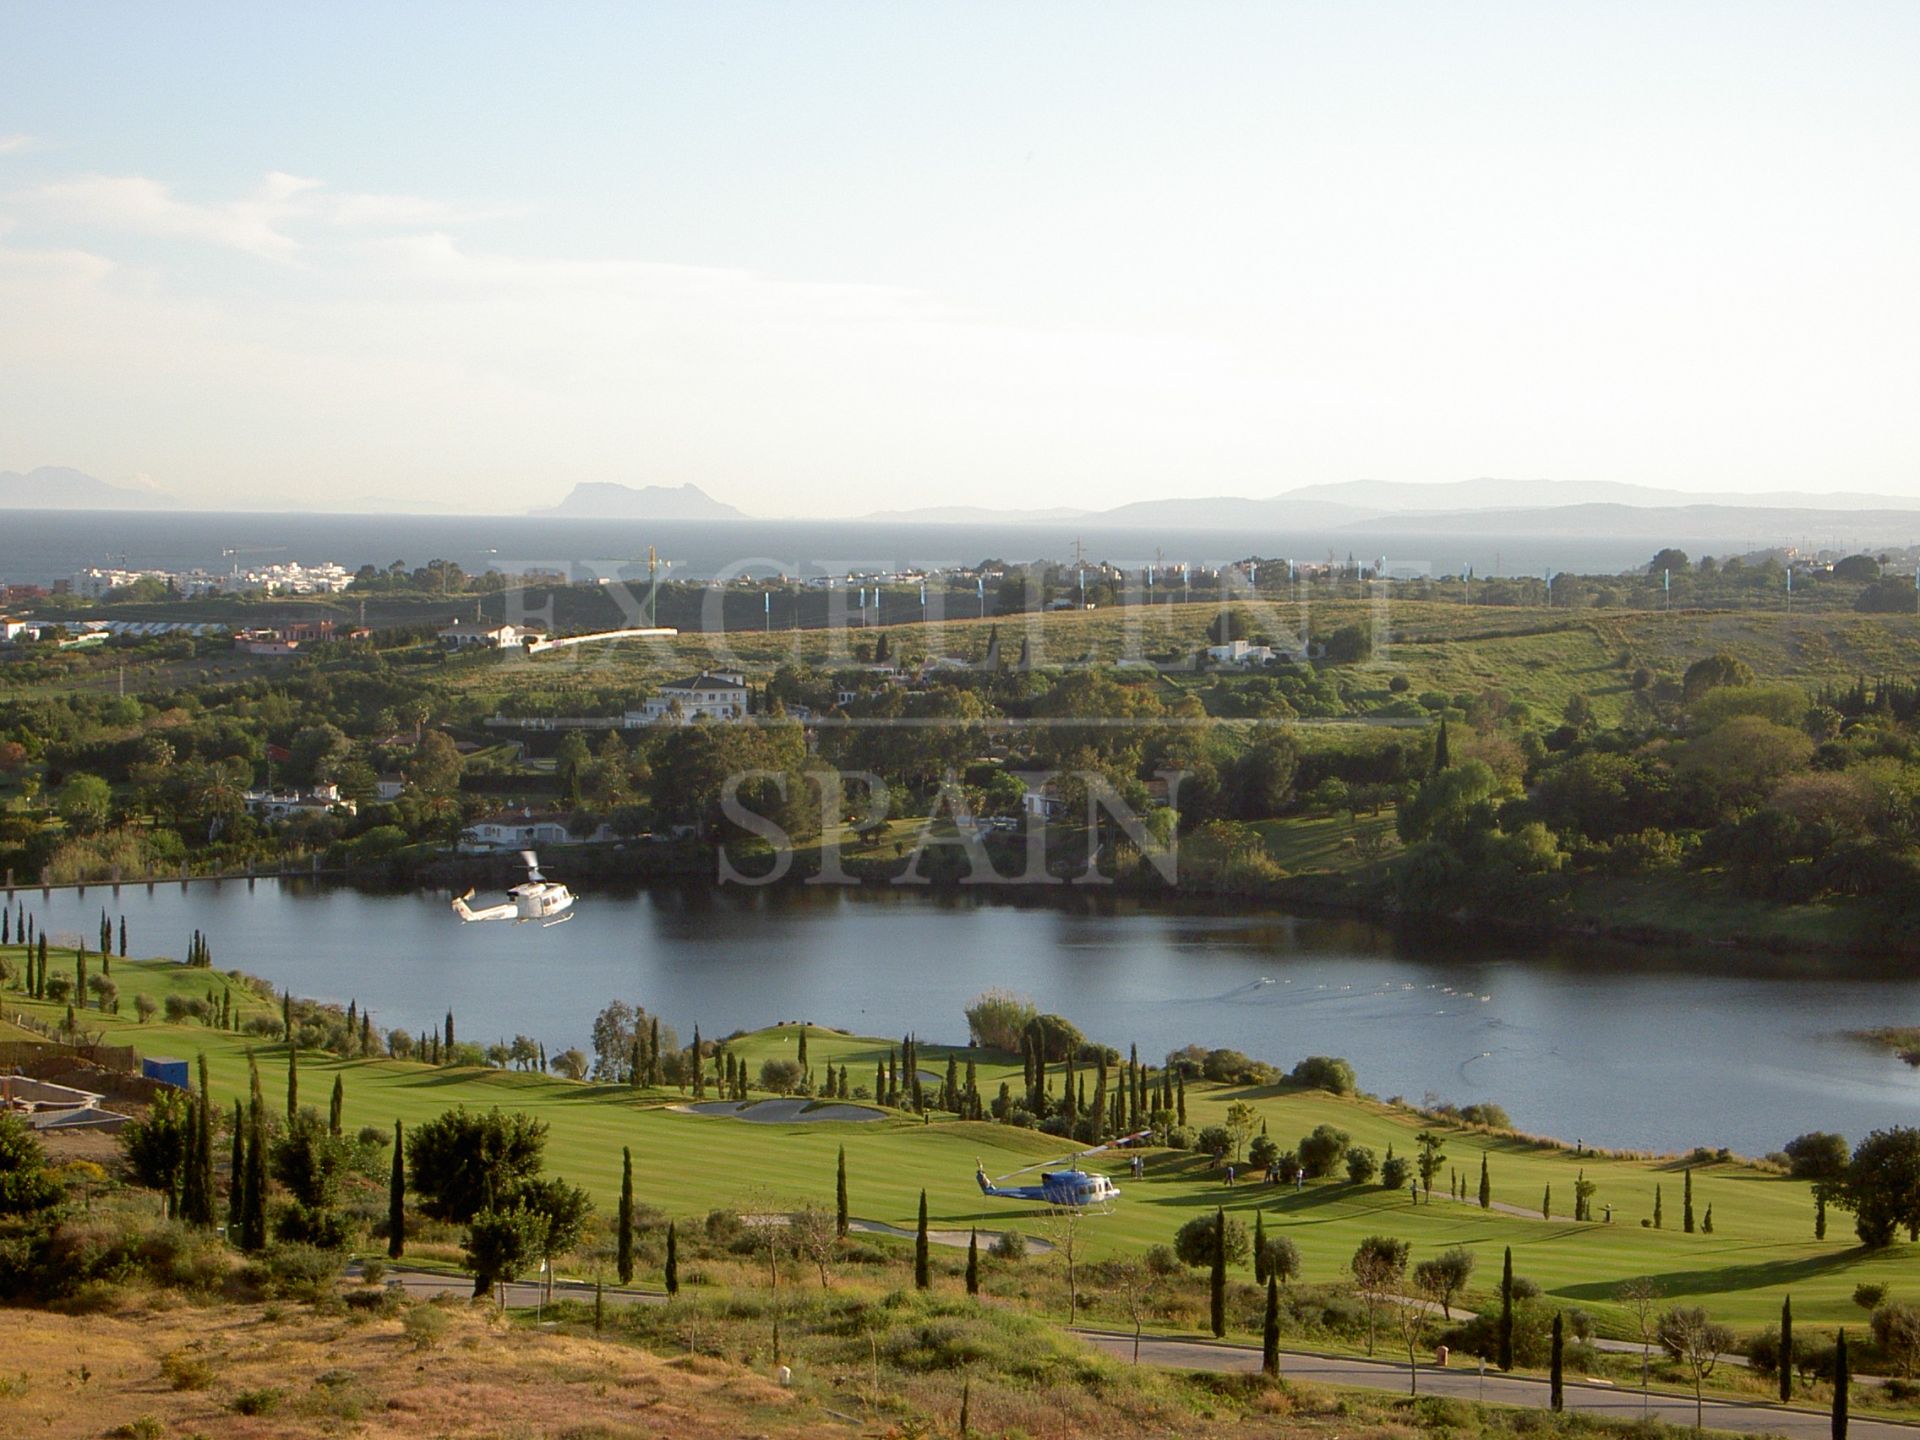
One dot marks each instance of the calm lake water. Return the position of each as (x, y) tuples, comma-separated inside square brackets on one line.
[(1657, 1049)]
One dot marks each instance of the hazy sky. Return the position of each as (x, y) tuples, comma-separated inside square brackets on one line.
[(825, 258)]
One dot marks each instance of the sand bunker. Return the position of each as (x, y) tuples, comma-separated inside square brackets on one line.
[(799, 1111)]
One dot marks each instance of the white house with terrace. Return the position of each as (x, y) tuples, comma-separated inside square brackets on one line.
[(719, 696)]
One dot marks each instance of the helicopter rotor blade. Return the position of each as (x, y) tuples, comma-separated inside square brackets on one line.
[(532, 862), (1077, 1155)]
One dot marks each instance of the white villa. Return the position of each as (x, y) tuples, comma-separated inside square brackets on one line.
[(286, 804), (525, 830), (721, 696), (476, 634)]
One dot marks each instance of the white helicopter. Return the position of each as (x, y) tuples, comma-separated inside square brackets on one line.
[(547, 901)]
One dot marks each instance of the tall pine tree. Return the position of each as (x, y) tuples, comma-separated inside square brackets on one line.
[(1505, 1354), (623, 1261), (922, 1261), (397, 1196), (1217, 1277)]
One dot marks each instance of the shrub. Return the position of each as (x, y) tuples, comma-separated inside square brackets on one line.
[(1488, 1114), (1362, 1165), (1868, 1295), (1193, 1242), (187, 1369), (1181, 1137), (1008, 1245), (997, 1018), (298, 1272), (1325, 1072), (780, 1076), (425, 1326), (1321, 1151), (1214, 1140), (1232, 1067), (263, 1401), (1394, 1171), (1162, 1261)]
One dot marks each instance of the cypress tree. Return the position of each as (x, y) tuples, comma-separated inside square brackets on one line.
[(397, 1197), (1506, 1312), (1656, 1207), (123, 937), (880, 1081), (202, 1159), (1259, 1247), (636, 1063), (1842, 1381), (802, 1055), (80, 975), (41, 993), (448, 1049), (1706, 1222), (953, 1083), (236, 1175), (699, 1068), (1556, 1388), (1819, 1213), (973, 1261), (1486, 1184), (286, 1016), (624, 1256), (1546, 1204), (673, 1261), (1217, 1278), (1786, 1349), (253, 1223), (366, 1039), (6, 926), (293, 1083), (840, 1215), (1180, 1099), (1442, 754), (336, 1105), (192, 1197), (653, 1052), (1270, 1330), (1686, 1204), (922, 1276)]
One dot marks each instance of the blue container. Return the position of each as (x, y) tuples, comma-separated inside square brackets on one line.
[(167, 1072)]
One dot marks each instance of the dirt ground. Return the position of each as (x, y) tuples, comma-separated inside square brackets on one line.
[(303, 1374)]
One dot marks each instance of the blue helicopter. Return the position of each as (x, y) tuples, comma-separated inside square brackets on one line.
[(1061, 1189)]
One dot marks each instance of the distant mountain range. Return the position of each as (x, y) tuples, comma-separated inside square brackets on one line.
[(604, 500), (55, 487)]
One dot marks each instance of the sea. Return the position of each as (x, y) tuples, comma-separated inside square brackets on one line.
[(38, 547)]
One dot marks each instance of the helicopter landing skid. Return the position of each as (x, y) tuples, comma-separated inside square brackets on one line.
[(557, 920)]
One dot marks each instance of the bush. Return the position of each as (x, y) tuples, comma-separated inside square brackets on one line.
[(1193, 1242), (1162, 1261), (1868, 1295), (1362, 1165), (997, 1018), (1322, 1150), (1181, 1137), (425, 1326), (1394, 1171), (263, 1401), (299, 1272), (1008, 1245), (187, 1369), (1230, 1067), (1214, 1140), (1325, 1072), (780, 1076)]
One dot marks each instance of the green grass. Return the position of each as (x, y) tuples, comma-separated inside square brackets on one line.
[(1762, 1246)]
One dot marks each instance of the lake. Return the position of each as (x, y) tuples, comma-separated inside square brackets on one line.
[(1643, 1049)]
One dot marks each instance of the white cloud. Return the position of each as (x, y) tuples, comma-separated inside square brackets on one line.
[(17, 144), (273, 222)]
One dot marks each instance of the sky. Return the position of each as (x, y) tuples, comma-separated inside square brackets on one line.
[(822, 259)]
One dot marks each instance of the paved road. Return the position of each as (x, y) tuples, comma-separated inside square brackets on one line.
[(1463, 1382)]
